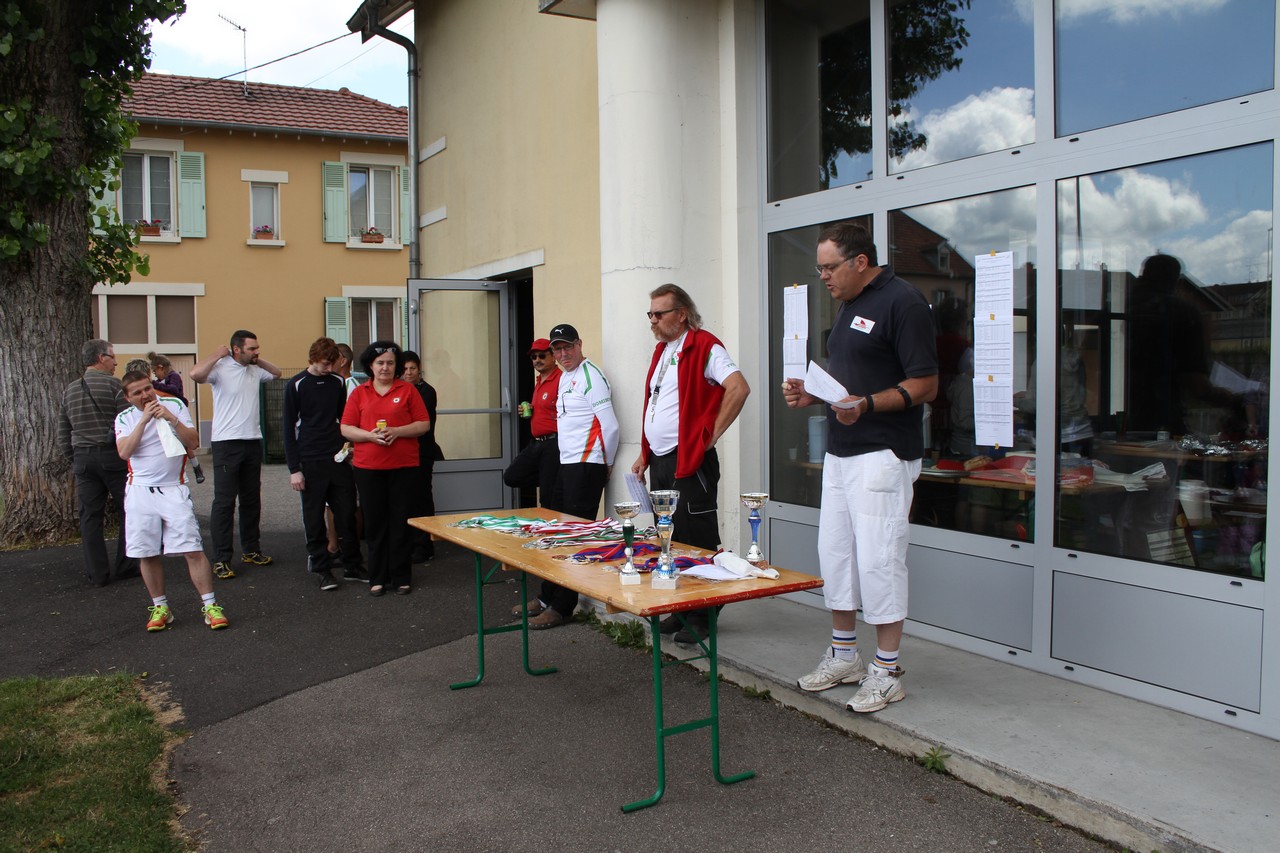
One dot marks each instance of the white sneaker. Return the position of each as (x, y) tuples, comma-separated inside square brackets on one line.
[(879, 688), (832, 671)]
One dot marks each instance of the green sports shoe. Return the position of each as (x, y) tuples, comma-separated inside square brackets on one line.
[(213, 616), (161, 616)]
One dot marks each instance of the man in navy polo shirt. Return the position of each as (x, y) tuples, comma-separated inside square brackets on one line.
[(882, 349)]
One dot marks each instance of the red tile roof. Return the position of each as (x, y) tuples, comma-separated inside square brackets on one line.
[(200, 101)]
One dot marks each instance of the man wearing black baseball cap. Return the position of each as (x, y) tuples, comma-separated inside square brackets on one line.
[(588, 437)]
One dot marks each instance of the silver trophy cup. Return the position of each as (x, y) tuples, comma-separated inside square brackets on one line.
[(627, 510), (664, 506), (754, 501)]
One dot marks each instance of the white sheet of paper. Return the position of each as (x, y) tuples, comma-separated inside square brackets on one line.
[(993, 349), (795, 352), (824, 386), (993, 286), (638, 492), (795, 311), (992, 413)]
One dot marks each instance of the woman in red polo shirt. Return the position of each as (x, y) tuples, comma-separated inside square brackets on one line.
[(380, 416)]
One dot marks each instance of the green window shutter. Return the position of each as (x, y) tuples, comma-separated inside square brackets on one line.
[(335, 203), (337, 325), (404, 323), (191, 212), (406, 227)]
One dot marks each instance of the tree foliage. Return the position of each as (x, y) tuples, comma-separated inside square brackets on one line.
[(65, 68), (925, 39)]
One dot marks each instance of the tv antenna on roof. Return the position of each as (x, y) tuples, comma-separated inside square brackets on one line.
[(244, 44)]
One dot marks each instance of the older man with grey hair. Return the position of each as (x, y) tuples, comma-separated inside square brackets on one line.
[(86, 436)]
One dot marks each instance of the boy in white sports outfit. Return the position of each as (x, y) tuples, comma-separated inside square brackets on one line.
[(159, 517)]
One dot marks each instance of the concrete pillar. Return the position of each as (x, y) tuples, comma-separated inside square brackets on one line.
[(660, 175)]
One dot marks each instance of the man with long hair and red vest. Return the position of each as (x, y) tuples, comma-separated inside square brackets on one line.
[(693, 393)]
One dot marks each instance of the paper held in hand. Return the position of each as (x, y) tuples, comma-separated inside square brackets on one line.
[(824, 386)]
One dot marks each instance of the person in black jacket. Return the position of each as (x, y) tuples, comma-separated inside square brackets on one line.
[(428, 452), (313, 404)]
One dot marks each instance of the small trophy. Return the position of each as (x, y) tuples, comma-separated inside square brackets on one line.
[(753, 501), (628, 510), (664, 506)]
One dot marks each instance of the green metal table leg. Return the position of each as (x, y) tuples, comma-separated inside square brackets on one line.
[(662, 731), (524, 629), (657, 722), (713, 665), (481, 631)]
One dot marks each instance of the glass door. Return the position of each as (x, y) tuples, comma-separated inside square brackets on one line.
[(462, 330)]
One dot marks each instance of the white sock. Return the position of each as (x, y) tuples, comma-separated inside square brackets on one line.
[(161, 601), (207, 598)]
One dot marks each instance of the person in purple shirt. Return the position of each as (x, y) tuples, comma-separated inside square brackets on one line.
[(166, 378), (169, 381)]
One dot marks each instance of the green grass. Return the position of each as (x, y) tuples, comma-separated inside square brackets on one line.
[(81, 765), (630, 634), (935, 760)]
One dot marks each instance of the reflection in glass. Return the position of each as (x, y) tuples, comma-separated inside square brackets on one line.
[(934, 247), (1165, 283), (819, 79), (963, 80), (461, 358), (795, 452), (1130, 59)]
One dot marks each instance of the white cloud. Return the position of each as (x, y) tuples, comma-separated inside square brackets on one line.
[(993, 120), (984, 223), (1132, 11), (1234, 255), (1144, 214), (201, 44)]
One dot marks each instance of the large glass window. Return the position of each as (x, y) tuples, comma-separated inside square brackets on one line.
[(1129, 59), (819, 60), (962, 80), (967, 483), (1164, 275), (799, 435)]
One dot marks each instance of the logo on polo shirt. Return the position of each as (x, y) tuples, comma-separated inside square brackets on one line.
[(862, 324)]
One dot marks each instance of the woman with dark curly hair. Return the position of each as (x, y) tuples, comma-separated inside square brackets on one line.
[(380, 417)]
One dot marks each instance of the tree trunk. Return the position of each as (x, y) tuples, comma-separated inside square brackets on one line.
[(44, 304)]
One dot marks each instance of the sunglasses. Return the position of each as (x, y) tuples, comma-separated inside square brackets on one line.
[(538, 356)]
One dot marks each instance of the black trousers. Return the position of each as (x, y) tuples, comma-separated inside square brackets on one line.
[(538, 465), (386, 497), (331, 483), (696, 520), (424, 503), (100, 472), (582, 484), (237, 476)]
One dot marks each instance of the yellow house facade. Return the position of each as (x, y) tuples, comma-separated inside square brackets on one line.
[(254, 204)]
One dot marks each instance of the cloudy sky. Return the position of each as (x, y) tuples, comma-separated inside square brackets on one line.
[(201, 44)]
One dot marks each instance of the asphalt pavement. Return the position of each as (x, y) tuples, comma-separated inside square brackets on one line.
[(324, 721)]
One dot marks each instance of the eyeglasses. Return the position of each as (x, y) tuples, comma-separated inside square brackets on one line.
[(562, 347), (829, 269), (538, 356), (658, 315)]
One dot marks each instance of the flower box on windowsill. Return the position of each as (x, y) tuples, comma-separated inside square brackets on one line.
[(149, 230), (264, 235), (371, 238)]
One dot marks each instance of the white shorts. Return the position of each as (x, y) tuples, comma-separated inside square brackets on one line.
[(160, 520), (863, 534)]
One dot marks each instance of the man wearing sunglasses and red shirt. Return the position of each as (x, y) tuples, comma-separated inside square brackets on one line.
[(539, 462)]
